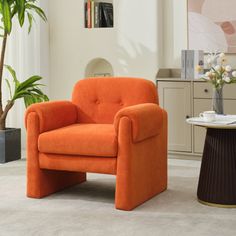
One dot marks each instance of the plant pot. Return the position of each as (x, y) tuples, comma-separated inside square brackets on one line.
[(10, 145)]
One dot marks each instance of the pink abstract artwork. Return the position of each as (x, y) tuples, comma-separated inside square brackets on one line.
[(212, 25)]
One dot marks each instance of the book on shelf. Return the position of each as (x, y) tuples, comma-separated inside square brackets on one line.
[(89, 24), (107, 10), (101, 16), (85, 15), (96, 15), (92, 13)]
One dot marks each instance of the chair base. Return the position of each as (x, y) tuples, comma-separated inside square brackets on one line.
[(121, 206), (46, 182)]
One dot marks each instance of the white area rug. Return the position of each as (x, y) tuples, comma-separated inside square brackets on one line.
[(88, 209)]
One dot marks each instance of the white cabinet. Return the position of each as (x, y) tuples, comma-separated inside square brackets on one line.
[(187, 98), (175, 98)]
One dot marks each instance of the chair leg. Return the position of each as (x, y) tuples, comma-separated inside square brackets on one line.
[(41, 183), (135, 192), (141, 168), (139, 184)]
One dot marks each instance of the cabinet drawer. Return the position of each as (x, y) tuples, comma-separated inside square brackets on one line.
[(204, 90), (200, 105)]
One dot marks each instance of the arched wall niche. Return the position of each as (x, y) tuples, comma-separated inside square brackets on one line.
[(99, 67)]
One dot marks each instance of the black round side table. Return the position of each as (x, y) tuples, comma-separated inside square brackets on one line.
[(217, 181)]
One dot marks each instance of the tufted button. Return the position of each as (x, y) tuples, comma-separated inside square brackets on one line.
[(120, 103), (96, 101)]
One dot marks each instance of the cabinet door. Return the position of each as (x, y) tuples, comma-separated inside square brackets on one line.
[(201, 105), (175, 98)]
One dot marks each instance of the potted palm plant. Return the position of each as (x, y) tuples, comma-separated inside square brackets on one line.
[(29, 90)]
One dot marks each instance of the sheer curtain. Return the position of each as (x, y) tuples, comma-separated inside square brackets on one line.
[(28, 54)]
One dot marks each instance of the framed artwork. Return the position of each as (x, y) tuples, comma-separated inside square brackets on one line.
[(212, 25)]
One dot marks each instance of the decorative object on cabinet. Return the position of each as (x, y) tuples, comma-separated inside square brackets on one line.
[(121, 131), (192, 64), (218, 75), (187, 98), (217, 100)]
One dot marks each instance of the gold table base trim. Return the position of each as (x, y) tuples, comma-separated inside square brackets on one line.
[(216, 205)]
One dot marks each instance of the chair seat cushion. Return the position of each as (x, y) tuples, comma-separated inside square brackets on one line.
[(80, 139)]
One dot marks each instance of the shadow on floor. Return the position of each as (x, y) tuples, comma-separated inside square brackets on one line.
[(99, 190)]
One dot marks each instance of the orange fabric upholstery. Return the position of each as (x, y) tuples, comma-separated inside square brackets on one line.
[(99, 99), (112, 126), (146, 120), (80, 139), (40, 182), (53, 115), (102, 165), (141, 167)]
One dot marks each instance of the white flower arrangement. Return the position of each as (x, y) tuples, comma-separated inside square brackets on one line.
[(219, 73)]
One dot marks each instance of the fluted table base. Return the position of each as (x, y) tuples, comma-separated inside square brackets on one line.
[(217, 181)]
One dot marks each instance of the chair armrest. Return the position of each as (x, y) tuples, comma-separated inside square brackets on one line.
[(53, 115), (147, 120)]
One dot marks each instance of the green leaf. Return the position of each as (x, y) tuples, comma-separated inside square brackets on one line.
[(38, 10), (21, 11), (21, 94), (9, 87), (6, 12), (0, 6), (36, 90), (29, 82), (34, 98), (28, 90), (13, 73), (46, 98), (14, 11), (35, 85), (28, 100), (30, 19)]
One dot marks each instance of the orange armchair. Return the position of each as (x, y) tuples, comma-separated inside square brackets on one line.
[(112, 126)]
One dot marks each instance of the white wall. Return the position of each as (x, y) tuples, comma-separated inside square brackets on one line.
[(133, 46), (175, 33), (144, 38)]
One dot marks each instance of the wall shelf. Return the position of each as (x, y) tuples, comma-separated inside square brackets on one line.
[(98, 14)]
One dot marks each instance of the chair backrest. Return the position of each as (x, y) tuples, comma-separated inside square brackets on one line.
[(99, 99)]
